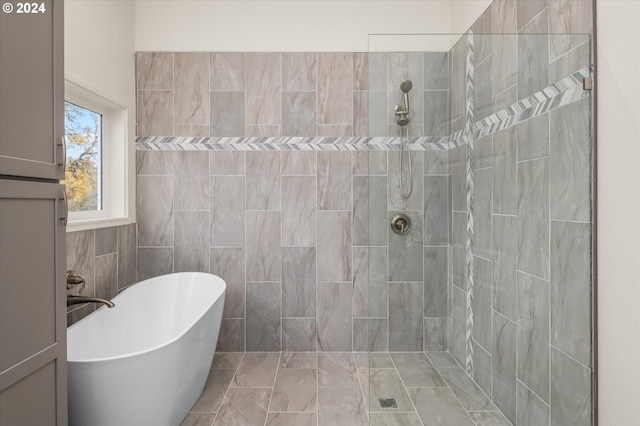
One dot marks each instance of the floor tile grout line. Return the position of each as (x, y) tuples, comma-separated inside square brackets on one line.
[(366, 399), (227, 391), (275, 377), (405, 388)]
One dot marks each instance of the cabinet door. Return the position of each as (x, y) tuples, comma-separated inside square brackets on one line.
[(33, 372), (32, 90)]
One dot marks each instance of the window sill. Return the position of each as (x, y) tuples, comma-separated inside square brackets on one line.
[(88, 224)]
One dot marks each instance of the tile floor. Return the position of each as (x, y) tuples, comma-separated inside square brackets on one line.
[(340, 389)]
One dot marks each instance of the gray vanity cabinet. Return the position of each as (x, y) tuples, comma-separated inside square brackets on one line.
[(32, 91), (33, 353)]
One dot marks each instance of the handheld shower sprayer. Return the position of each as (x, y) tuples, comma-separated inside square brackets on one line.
[(402, 119), (402, 111)]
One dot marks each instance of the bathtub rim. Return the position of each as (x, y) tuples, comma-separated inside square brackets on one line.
[(152, 348)]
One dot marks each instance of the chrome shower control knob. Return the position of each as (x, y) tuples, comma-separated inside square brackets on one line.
[(401, 224)]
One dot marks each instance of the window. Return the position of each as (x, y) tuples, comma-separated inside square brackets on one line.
[(97, 178)]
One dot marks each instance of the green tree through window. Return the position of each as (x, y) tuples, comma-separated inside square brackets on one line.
[(83, 134)]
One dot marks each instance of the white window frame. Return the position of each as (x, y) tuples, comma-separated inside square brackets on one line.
[(117, 183)]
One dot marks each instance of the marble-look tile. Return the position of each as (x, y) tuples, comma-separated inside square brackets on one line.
[(533, 56), (361, 113), (191, 180), (155, 113), (154, 163), (505, 98), (569, 21), (394, 419), (299, 211), (482, 272), (334, 130), (459, 250), (227, 360), (126, 255), (264, 251), (154, 261), (295, 389), (505, 172), (369, 210), (299, 71), (489, 418), (334, 246), (370, 334), (227, 71), (442, 359), (458, 161), (227, 163), (369, 163), (192, 130), (378, 113), (264, 88), (466, 390), (436, 113), (198, 419), (458, 58), (155, 211), (334, 86), (481, 29), (405, 316), (386, 383), (405, 251), (533, 334), (263, 180), (570, 391), (256, 370), (571, 289), (229, 264), (360, 71), (442, 401), (527, 10), (533, 217), (457, 343), (406, 66), (361, 282), (436, 204), (299, 360), (435, 281), (227, 113), (436, 162), (341, 406), (436, 71), (377, 66), (191, 88), (483, 92), (503, 363), (504, 61), (436, 334), (296, 163), (373, 360), (154, 70), (263, 130), (191, 245), (504, 265), (299, 334), (334, 313), (231, 338), (107, 276), (570, 162), (482, 367), (292, 419), (337, 370), (531, 409), (533, 138), (482, 153), (417, 371), (298, 282), (244, 407), (503, 18), (214, 391), (106, 240), (377, 283), (576, 59), (227, 211), (298, 113)]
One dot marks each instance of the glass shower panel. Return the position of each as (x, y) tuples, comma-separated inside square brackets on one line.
[(477, 296)]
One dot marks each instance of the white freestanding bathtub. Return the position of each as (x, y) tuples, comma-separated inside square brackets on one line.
[(145, 362)]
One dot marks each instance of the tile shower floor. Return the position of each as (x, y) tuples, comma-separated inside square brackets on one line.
[(340, 389)]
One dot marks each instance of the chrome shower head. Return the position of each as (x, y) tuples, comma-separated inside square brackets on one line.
[(405, 86)]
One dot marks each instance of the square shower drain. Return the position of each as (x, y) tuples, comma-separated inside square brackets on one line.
[(388, 403)]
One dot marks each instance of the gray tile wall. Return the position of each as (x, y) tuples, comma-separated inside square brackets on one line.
[(289, 94), (532, 217), (106, 259)]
